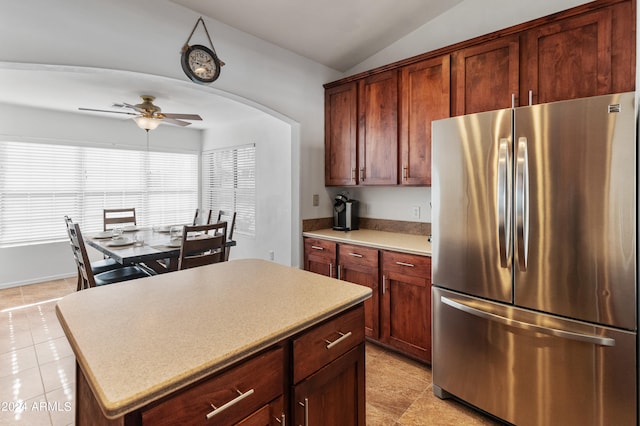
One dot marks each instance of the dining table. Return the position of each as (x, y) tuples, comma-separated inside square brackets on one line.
[(157, 247)]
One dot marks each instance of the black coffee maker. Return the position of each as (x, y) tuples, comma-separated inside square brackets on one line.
[(345, 213)]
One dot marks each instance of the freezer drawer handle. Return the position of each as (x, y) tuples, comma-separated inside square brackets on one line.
[(596, 340)]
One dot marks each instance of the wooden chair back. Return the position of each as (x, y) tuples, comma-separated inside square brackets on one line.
[(202, 245), (118, 217), (85, 275), (230, 218)]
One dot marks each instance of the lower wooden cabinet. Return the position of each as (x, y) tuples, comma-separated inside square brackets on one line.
[(226, 398), (398, 314), (320, 256), (334, 395), (405, 303), (359, 265), (272, 414), (328, 373)]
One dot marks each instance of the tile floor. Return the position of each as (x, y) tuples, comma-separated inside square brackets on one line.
[(37, 371)]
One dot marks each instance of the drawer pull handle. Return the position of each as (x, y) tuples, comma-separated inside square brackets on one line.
[(338, 340), (282, 420), (405, 264), (317, 248), (355, 255), (240, 397)]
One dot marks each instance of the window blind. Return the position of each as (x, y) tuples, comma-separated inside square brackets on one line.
[(229, 183), (41, 183)]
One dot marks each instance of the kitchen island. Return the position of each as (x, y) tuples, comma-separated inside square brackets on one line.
[(183, 346)]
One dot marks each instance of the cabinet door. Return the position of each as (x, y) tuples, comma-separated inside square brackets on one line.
[(359, 265), (334, 395), (405, 307), (486, 76), (569, 59), (378, 129), (320, 256), (425, 94), (340, 153)]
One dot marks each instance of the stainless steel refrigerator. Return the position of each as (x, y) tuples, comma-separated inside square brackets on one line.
[(534, 262)]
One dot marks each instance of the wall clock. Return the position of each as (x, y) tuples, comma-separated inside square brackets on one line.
[(200, 64)]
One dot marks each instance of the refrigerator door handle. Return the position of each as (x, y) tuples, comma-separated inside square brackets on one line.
[(504, 203), (581, 337), (522, 204)]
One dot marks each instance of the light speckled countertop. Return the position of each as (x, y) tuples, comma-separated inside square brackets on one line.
[(405, 243), (140, 340)]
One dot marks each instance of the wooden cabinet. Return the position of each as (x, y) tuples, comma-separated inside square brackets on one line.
[(424, 97), (320, 256), (378, 129), (340, 129), (227, 398), (405, 304), (570, 58), (398, 314), (329, 373), (359, 265), (486, 76)]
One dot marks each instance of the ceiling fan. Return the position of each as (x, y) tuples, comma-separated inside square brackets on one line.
[(147, 115)]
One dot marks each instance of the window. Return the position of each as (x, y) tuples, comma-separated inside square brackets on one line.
[(41, 183), (229, 183)]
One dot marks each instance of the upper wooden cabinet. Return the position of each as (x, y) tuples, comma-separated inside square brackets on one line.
[(340, 128), (486, 76), (569, 59), (378, 129), (378, 123), (425, 96)]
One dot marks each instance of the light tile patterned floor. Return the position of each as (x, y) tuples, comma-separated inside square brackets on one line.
[(37, 371)]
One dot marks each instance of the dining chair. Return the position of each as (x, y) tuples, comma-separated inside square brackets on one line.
[(97, 266), (87, 279), (229, 217), (202, 245), (118, 217)]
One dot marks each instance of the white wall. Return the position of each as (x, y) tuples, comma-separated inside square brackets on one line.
[(272, 138)]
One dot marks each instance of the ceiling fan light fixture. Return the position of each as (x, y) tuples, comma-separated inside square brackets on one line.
[(147, 123)]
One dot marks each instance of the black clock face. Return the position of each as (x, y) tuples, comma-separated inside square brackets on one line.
[(200, 64)]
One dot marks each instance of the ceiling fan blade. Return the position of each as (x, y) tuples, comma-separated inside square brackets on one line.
[(176, 122), (104, 110), (182, 116)]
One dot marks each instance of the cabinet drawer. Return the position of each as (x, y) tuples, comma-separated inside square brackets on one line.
[(326, 342), (407, 264), (319, 247), (237, 393), (357, 255)]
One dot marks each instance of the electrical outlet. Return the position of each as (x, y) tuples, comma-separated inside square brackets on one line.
[(415, 212), (316, 200)]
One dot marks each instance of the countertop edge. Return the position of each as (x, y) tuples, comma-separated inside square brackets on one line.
[(326, 234)]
